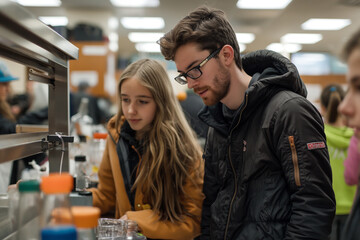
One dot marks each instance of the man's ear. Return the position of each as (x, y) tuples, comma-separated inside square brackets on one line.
[(227, 54)]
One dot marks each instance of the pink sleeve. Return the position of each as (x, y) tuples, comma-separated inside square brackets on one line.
[(352, 163)]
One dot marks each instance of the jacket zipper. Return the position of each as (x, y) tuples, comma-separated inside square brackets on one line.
[(295, 161), (233, 169)]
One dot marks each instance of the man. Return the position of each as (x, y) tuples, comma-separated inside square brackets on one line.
[(267, 171), (350, 108)]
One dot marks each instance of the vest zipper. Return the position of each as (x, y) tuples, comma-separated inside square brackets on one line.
[(233, 169), (295, 161)]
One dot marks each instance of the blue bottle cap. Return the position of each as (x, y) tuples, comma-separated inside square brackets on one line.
[(59, 233)]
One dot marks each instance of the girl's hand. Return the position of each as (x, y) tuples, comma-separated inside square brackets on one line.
[(124, 217)]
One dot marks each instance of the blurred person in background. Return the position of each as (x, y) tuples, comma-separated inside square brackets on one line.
[(191, 104), (99, 113), (8, 125), (152, 168), (337, 138), (350, 109)]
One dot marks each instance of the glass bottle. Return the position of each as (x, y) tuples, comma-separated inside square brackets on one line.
[(97, 149), (132, 231), (81, 122), (56, 217), (86, 221), (82, 179), (29, 210)]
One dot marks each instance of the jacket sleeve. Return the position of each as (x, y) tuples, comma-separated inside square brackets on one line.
[(300, 140), (211, 186), (352, 163), (151, 227), (104, 195)]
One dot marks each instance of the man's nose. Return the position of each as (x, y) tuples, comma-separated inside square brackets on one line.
[(191, 83)]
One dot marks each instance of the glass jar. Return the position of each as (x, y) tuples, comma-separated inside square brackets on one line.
[(81, 169)]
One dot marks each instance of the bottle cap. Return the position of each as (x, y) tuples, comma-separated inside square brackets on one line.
[(98, 135), (85, 216), (29, 186), (57, 183), (80, 158), (59, 233)]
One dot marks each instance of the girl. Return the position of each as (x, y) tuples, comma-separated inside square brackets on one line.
[(338, 139), (152, 170)]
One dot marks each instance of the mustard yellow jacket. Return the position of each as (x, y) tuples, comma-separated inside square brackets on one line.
[(111, 194)]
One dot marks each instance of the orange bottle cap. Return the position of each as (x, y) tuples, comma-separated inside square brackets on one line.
[(85, 216), (98, 135), (57, 183)]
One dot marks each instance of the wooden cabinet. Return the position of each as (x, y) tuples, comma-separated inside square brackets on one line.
[(97, 66)]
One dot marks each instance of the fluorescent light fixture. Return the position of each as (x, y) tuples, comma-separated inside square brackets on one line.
[(39, 3), (143, 22), (113, 37), (301, 38), (147, 47), (245, 37), (135, 3), (144, 36), (242, 47), (114, 46), (54, 21), (286, 47), (262, 4), (113, 23), (325, 24)]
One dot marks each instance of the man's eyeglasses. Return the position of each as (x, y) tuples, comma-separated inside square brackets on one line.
[(195, 72)]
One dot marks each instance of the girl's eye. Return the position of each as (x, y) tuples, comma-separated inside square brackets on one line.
[(125, 100), (143, 102)]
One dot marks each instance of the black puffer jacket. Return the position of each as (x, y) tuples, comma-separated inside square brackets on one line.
[(267, 174)]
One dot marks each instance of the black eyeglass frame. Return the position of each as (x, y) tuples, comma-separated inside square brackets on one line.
[(182, 81)]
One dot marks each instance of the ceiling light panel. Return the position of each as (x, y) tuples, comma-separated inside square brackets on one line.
[(147, 47), (242, 46), (245, 37), (262, 4), (54, 21), (135, 3), (286, 47), (325, 24), (142, 22), (39, 3), (144, 36), (301, 38)]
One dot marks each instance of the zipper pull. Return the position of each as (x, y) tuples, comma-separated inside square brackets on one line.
[(244, 147)]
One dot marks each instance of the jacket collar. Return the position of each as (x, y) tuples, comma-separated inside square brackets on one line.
[(271, 72)]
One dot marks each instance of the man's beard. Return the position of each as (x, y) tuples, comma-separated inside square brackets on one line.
[(220, 89)]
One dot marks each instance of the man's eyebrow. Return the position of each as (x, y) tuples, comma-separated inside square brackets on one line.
[(188, 67)]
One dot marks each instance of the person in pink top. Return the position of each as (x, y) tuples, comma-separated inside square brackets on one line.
[(352, 161)]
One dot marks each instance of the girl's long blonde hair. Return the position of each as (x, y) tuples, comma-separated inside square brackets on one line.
[(170, 150)]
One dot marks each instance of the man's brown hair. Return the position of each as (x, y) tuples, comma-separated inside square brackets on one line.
[(207, 27), (351, 44)]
